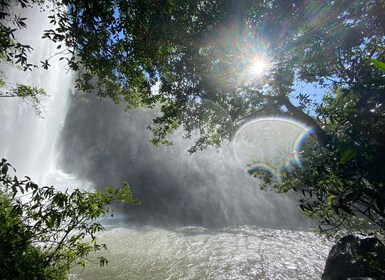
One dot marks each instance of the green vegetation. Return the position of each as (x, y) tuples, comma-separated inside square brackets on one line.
[(14, 52), (347, 176), (199, 50), (29, 94), (343, 182), (44, 232), (202, 50)]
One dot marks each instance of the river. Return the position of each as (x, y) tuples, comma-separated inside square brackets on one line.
[(244, 252)]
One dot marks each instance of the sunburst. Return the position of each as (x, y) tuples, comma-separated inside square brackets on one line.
[(258, 66)]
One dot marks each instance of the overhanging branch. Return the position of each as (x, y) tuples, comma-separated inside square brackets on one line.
[(322, 137)]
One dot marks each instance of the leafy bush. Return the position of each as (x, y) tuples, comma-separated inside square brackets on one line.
[(44, 232)]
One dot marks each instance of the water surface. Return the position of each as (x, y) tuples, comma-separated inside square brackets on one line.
[(246, 252)]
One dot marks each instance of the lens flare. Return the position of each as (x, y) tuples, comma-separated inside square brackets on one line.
[(258, 66), (272, 144)]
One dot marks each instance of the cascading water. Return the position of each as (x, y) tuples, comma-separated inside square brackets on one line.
[(27, 140), (202, 216)]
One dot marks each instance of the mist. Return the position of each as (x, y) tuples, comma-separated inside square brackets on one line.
[(103, 144)]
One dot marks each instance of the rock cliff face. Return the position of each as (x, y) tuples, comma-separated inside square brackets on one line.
[(355, 258)]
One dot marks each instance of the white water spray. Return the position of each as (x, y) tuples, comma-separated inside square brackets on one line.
[(28, 141)]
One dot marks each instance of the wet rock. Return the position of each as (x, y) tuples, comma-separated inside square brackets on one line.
[(355, 258)]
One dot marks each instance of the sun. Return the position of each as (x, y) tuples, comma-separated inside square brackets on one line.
[(258, 66)]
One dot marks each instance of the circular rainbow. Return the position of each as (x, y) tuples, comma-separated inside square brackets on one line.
[(271, 143)]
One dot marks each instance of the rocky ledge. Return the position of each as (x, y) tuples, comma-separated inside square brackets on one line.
[(356, 258)]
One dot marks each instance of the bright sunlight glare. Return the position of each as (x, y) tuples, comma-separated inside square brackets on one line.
[(258, 66)]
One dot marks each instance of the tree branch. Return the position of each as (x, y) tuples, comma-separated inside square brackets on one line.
[(322, 137)]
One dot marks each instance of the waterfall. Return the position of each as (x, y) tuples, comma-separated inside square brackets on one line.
[(98, 142), (207, 218), (29, 141)]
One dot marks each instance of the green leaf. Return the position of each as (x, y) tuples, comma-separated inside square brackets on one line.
[(379, 81), (331, 198), (348, 155), (380, 65)]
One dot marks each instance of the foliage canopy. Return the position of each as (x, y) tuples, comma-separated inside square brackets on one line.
[(199, 53), (343, 183)]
